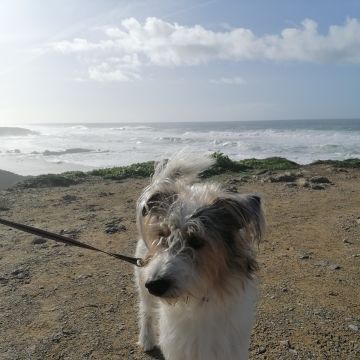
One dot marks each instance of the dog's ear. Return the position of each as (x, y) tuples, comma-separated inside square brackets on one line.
[(232, 213), (158, 202)]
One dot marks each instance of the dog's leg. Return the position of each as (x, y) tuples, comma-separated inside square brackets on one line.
[(147, 338)]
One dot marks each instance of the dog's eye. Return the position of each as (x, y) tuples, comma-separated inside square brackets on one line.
[(195, 242)]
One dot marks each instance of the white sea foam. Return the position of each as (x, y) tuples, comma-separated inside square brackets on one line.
[(57, 148)]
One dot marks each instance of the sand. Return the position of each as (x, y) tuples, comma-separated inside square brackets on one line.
[(61, 302)]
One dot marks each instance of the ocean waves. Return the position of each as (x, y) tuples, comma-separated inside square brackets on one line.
[(15, 131), (104, 145)]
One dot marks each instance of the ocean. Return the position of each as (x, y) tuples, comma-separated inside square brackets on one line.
[(54, 148)]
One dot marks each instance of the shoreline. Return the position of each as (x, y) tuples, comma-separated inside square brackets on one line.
[(223, 164)]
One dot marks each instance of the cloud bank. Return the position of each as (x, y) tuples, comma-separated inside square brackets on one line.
[(125, 50)]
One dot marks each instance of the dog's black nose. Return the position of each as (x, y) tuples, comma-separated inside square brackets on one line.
[(158, 287)]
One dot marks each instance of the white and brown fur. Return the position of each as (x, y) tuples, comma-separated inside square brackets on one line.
[(197, 290)]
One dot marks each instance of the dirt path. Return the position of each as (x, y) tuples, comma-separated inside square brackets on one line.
[(60, 302)]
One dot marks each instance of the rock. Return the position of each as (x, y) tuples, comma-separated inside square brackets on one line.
[(69, 198), (262, 172), (303, 256), (285, 343), (73, 233), (353, 327), (320, 180), (322, 263), (303, 182), (3, 281), (56, 337), (38, 241), (334, 267), (293, 351), (20, 275), (104, 193), (262, 350), (113, 226), (286, 177), (317, 186), (291, 185)]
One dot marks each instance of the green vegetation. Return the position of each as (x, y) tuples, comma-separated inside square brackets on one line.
[(223, 164), (348, 163), (142, 170), (271, 163), (53, 180)]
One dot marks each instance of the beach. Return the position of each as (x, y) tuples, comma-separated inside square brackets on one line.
[(62, 302)]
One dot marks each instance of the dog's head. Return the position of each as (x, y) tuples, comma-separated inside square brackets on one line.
[(200, 238)]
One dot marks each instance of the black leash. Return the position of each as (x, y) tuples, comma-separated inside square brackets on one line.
[(67, 240)]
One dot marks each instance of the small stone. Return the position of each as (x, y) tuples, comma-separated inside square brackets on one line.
[(358, 220), (293, 351), (69, 198), (284, 289), (83, 276), (322, 263), (286, 177), (262, 350), (346, 241), (303, 182), (3, 281), (320, 180), (355, 255), (56, 337), (304, 256), (114, 226), (353, 327), (285, 343), (21, 275), (261, 172), (39, 241), (334, 267), (317, 186)]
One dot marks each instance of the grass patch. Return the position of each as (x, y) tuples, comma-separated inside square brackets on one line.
[(348, 163), (222, 165), (53, 180), (271, 163), (145, 169)]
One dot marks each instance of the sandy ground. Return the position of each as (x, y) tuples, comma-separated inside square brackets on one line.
[(60, 302)]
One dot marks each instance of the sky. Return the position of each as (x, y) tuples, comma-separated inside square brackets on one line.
[(150, 61)]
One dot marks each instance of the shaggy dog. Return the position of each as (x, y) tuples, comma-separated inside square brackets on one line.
[(197, 289)]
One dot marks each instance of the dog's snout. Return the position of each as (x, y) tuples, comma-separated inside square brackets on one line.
[(158, 287)]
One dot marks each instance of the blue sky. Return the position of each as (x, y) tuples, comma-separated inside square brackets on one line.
[(109, 61)]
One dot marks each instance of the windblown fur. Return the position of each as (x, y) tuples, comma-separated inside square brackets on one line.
[(198, 289)]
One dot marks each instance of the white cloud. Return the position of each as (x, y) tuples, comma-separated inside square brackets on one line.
[(160, 43), (237, 80)]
